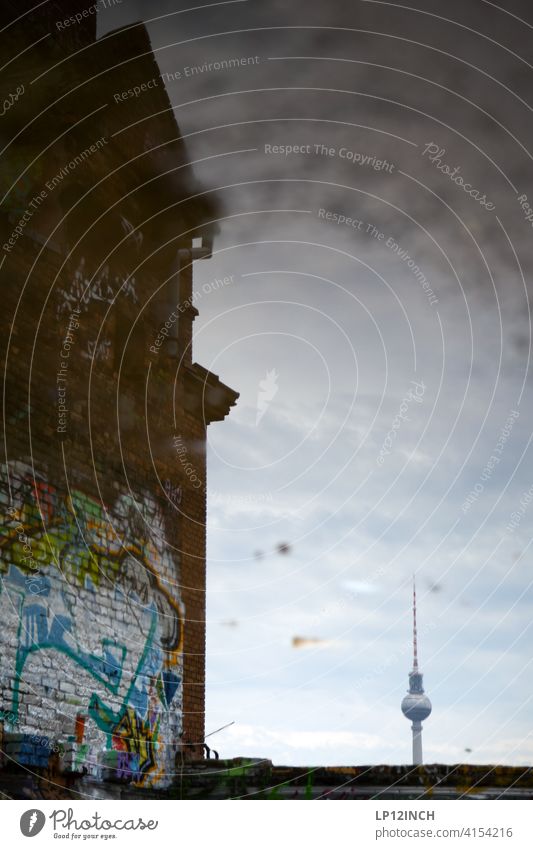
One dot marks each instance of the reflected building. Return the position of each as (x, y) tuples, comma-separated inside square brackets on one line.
[(416, 706)]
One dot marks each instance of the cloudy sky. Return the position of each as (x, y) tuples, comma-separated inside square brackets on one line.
[(383, 427)]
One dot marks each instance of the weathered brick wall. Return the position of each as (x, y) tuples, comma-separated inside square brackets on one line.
[(102, 524), (193, 578), (102, 551), (91, 550)]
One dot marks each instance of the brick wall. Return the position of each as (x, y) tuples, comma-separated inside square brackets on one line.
[(102, 482)]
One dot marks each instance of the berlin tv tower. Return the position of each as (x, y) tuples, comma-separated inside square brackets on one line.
[(415, 705)]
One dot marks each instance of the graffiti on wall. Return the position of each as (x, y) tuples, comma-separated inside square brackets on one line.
[(100, 350), (97, 587), (81, 291)]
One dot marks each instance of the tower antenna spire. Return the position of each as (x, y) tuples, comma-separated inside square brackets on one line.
[(415, 640)]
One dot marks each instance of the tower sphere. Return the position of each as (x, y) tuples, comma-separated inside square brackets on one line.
[(416, 707)]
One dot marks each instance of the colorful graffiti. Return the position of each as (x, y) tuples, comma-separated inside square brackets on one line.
[(97, 587)]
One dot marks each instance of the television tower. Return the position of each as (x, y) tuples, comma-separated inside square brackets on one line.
[(415, 705)]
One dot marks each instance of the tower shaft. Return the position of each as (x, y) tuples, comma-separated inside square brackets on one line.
[(417, 743), (415, 640)]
